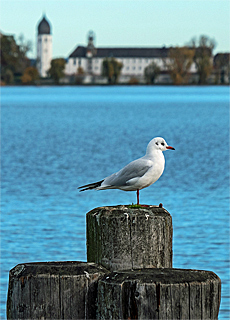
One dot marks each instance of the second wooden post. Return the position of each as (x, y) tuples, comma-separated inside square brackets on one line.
[(122, 237)]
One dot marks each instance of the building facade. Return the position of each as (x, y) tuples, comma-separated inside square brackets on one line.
[(44, 47), (84, 64), (134, 60)]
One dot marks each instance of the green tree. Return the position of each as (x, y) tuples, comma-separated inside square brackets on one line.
[(56, 71), (151, 72), (13, 57), (178, 63), (203, 57), (30, 75), (111, 68), (8, 77)]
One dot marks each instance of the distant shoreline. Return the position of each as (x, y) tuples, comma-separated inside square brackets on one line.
[(117, 85)]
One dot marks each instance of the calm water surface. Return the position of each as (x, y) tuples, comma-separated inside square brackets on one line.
[(56, 139)]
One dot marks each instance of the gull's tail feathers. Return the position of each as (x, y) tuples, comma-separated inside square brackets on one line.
[(91, 186)]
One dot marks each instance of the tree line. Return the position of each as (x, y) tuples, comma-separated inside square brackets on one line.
[(14, 61), (178, 63), (16, 67)]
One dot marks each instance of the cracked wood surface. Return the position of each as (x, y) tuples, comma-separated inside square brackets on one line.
[(124, 238), (163, 293)]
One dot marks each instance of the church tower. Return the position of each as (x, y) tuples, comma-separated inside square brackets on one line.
[(90, 52), (44, 47)]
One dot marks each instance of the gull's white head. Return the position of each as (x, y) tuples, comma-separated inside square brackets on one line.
[(158, 144)]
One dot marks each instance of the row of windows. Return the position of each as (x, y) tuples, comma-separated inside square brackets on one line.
[(134, 68), (75, 60), (121, 60), (127, 68), (44, 51), (45, 39), (126, 60)]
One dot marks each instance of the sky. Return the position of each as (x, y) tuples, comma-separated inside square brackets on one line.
[(118, 23)]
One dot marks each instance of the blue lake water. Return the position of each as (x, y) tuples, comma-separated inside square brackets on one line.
[(55, 139)]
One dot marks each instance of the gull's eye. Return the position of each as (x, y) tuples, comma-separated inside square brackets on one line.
[(162, 143)]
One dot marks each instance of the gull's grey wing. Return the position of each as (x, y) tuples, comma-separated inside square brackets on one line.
[(134, 169)]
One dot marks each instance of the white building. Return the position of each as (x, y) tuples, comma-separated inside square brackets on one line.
[(44, 47), (134, 60)]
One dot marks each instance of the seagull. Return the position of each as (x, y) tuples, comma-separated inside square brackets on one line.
[(138, 174)]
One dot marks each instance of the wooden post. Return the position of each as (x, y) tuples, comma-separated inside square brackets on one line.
[(118, 238), (122, 237), (159, 294), (53, 290)]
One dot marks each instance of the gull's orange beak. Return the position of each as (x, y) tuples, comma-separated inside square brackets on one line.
[(168, 147)]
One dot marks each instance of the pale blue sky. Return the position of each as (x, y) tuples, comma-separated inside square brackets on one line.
[(136, 23)]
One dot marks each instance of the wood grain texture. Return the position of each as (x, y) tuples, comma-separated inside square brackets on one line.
[(53, 290), (124, 238), (162, 293)]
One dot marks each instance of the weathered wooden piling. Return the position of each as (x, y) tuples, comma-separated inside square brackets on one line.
[(133, 277), (53, 290), (123, 237), (159, 294)]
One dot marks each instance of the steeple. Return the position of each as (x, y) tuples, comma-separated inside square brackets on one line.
[(44, 26), (44, 46), (90, 47), (91, 37)]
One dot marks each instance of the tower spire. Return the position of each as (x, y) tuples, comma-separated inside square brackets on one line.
[(44, 46)]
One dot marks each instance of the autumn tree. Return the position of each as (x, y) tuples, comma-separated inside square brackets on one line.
[(111, 68), (151, 72), (13, 57), (79, 75), (203, 57), (25, 46), (56, 71), (30, 75), (178, 63), (222, 67)]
